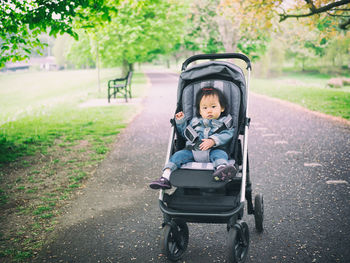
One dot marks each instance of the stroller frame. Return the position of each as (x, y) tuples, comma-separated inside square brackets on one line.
[(175, 236)]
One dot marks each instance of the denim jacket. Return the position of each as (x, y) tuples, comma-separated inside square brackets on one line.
[(206, 129)]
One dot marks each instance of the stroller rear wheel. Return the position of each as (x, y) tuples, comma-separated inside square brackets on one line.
[(174, 240), (259, 212), (238, 242)]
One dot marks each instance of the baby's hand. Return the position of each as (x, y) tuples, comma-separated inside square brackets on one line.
[(206, 144), (179, 115)]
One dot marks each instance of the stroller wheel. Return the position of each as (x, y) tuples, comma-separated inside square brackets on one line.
[(174, 240), (259, 212), (238, 242)]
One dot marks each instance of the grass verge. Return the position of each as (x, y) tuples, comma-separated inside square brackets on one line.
[(47, 156), (308, 91)]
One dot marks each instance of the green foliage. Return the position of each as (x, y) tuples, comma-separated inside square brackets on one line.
[(60, 49), (337, 52), (21, 22), (318, 49), (201, 32), (213, 29), (253, 48), (140, 31), (80, 53), (324, 24)]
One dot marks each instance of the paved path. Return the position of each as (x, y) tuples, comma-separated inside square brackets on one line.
[(300, 162)]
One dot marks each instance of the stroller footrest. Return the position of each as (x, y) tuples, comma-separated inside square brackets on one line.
[(197, 179), (206, 204)]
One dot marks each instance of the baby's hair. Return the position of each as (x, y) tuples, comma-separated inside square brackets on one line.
[(211, 91)]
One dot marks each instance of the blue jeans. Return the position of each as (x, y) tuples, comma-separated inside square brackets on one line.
[(216, 156)]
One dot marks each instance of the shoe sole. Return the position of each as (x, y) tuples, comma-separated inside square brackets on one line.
[(157, 186)]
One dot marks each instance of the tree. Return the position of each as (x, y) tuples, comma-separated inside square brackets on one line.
[(60, 49), (80, 52), (304, 47), (329, 16), (233, 20), (140, 31), (339, 10), (337, 53), (201, 33), (21, 23), (301, 45)]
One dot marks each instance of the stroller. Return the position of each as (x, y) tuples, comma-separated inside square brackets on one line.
[(197, 198)]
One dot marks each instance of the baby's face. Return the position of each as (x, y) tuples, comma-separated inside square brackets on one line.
[(210, 108)]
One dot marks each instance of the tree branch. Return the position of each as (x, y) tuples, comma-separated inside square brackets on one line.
[(314, 10), (312, 6), (342, 16), (345, 25)]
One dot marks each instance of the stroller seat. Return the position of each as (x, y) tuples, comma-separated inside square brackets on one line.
[(196, 190), (199, 174)]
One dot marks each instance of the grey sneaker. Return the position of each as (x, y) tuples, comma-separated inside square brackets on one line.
[(161, 183), (225, 173)]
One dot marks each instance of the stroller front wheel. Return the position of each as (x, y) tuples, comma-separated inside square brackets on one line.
[(238, 243), (174, 240)]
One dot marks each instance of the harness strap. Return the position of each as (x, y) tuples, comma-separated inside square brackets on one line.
[(228, 121), (227, 124), (190, 134)]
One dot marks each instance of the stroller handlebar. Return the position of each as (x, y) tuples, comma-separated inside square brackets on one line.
[(216, 56)]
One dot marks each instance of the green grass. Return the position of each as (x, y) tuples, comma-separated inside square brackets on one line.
[(308, 91), (26, 93), (31, 134), (33, 117), (45, 134)]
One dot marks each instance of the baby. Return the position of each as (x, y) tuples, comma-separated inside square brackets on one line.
[(206, 132)]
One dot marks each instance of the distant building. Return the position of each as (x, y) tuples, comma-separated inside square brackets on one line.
[(42, 63)]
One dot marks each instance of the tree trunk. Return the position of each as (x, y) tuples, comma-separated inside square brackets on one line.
[(125, 67), (228, 27), (167, 63), (98, 67)]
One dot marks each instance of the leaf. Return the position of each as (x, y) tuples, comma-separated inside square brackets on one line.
[(323, 41), (4, 47), (27, 50)]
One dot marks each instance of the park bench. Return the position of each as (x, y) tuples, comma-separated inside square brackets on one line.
[(120, 85)]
